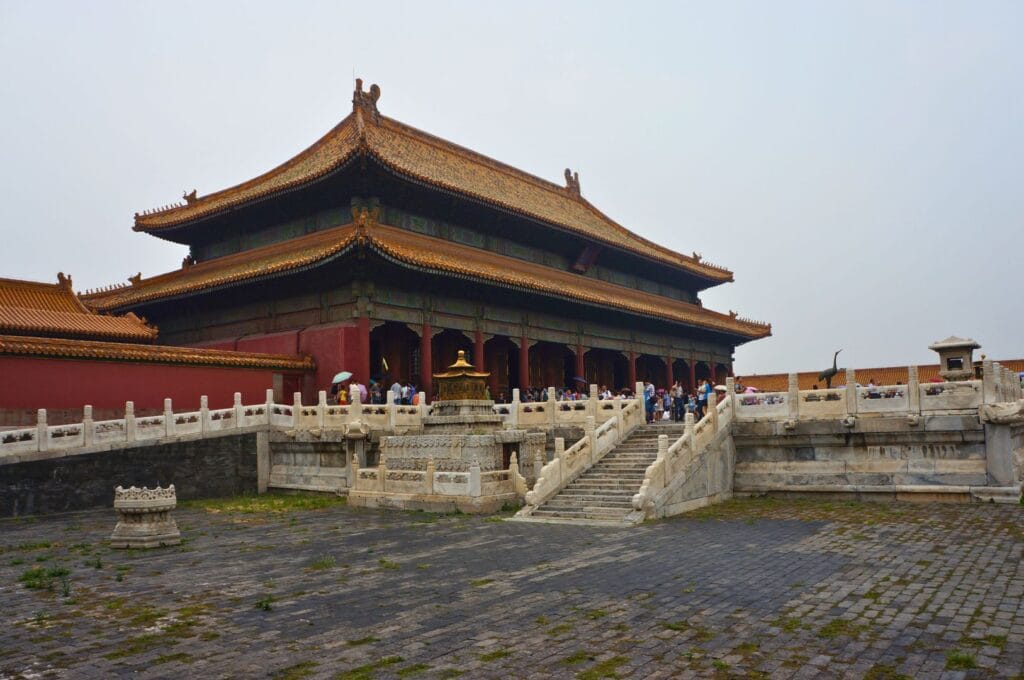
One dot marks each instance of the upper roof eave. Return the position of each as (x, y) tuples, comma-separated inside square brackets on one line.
[(449, 167)]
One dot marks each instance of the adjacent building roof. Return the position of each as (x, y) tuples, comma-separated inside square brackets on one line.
[(885, 375), (53, 309), (432, 161), (420, 252), (62, 348)]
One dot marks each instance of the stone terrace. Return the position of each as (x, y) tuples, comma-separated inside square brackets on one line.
[(762, 588)]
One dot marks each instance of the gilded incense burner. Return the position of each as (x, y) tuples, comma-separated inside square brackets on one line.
[(461, 381)]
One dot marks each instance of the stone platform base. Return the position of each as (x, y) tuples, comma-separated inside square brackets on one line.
[(145, 536), (431, 502), (879, 495)]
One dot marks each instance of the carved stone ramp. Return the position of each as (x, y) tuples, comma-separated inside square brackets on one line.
[(603, 494)]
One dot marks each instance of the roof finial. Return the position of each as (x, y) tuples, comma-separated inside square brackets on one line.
[(190, 197), (572, 182), (63, 280), (367, 101)]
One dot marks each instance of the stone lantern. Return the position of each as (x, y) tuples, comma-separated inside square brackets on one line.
[(956, 357)]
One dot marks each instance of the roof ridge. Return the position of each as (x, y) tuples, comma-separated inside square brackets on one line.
[(435, 140)]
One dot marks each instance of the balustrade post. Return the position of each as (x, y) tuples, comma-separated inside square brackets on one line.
[(713, 410), (538, 464), (552, 406), (638, 392), (296, 410), (560, 457), (513, 470), (88, 426), (913, 391), (474, 478), (688, 424), (589, 428), (204, 413), (428, 480), (794, 396), (269, 407), (168, 418), (851, 392), (513, 409), (239, 409), (321, 409), (382, 473), (662, 446), (42, 431), (392, 409), (129, 421), (730, 392), (355, 409), (592, 401), (988, 382)]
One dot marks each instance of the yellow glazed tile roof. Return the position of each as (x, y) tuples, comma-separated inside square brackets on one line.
[(53, 309), (439, 163), (62, 348), (423, 252)]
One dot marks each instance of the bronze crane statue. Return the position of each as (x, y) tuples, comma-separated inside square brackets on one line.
[(830, 373)]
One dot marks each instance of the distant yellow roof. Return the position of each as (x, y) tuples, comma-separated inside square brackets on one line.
[(436, 162), (53, 309)]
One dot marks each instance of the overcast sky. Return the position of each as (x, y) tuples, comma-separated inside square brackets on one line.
[(858, 165)]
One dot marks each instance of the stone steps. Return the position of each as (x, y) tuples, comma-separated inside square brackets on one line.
[(605, 491)]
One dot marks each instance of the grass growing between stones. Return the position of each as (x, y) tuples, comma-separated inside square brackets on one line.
[(495, 655), (296, 672), (959, 661), (605, 669), (266, 503), (43, 578), (367, 671)]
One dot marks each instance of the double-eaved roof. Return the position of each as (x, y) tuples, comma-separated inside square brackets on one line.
[(426, 159)]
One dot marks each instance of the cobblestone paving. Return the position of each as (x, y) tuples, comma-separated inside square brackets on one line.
[(755, 588)]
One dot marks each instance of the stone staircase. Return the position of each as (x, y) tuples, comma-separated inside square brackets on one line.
[(605, 491)]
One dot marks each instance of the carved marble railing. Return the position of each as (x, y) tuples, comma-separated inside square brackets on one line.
[(568, 464), (472, 482), (551, 413), (674, 462), (915, 399), (354, 418)]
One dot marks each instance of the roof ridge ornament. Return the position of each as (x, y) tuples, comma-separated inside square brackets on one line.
[(365, 215), (190, 197), (572, 183), (64, 280), (366, 101)]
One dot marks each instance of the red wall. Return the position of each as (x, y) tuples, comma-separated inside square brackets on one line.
[(334, 347), (28, 383)]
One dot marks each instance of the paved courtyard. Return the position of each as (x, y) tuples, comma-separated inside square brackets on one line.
[(755, 588)]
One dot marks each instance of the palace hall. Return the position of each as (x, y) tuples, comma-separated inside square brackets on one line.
[(383, 250)]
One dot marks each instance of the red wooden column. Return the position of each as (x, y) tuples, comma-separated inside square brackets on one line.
[(581, 369), (669, 380), (478, 351), (426, 364), (362, 371), (632, 371), (693, 373), (524, 363)]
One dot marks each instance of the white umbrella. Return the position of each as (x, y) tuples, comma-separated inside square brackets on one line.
[(342, 377)]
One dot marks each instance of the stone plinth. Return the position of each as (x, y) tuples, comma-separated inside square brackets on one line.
[(144, 518)]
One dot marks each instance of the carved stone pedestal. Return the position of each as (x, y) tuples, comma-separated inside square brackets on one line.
[(144, 518)]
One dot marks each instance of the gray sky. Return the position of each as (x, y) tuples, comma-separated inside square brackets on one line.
[(857, 165)]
